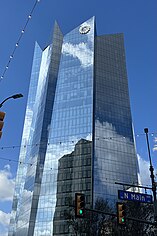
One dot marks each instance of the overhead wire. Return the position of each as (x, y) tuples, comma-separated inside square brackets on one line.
[(18, 41), (40, 165), (68, 142), (47, 144), (34, 164)]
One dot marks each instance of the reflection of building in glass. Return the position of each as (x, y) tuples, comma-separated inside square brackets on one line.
[(74, 175), (79, 129)]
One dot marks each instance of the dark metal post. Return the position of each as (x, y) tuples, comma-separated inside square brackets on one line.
[(19, 95), (152, 176), (151, 166), (15, 96)]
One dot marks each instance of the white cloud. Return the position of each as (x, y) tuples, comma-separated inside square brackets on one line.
[(4, 218), (4, 223), (155, 146), (144, 171), (7, 167), (80, 51), (7, 184), (4, 234)]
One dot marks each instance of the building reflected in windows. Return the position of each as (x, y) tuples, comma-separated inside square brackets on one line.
[(74, 175)]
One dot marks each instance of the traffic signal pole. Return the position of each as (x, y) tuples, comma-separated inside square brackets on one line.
[(127, 218), (113, 215)]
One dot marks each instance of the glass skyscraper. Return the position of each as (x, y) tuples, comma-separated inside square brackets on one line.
[(77, 133)]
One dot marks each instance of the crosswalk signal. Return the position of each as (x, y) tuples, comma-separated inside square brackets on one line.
[(2, 115), (121, 213), (79, 205)]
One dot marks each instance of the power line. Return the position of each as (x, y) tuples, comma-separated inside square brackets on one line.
[(69, 142), (33, 164), (24, 163), (18, 41), (41, 166)]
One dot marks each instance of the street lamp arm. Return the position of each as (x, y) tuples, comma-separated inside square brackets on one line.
[(1, 104), (15, 96)]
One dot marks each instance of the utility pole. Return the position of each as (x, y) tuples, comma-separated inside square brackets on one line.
[(151, 168)]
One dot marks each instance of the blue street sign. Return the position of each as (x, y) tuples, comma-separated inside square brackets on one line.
[(135, 197)]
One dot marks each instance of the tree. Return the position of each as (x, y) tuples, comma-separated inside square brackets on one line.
[(96, 224), (141, 211), (93, 223)]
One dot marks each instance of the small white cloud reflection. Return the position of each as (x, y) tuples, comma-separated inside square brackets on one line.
[(115, 159), (42, 230), (28, 121), (23, 218), (79, 51)]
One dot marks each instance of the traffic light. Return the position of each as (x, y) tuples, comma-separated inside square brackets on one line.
[(121, 214), (79, 205), (2, 115)]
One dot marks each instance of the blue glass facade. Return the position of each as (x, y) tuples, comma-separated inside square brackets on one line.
[(71, 121), (80, 130), (35, 136), (114, 151), (27, 133)]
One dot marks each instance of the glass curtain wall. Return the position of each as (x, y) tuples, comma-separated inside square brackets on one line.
[(115, 159), (78, 130), (39, 130), (25, 148), (71, 122)]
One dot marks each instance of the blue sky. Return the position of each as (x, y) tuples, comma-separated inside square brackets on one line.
[(136, 19)]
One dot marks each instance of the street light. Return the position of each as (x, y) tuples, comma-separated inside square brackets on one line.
[(151, 168), (2, 114), (15, 96)]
